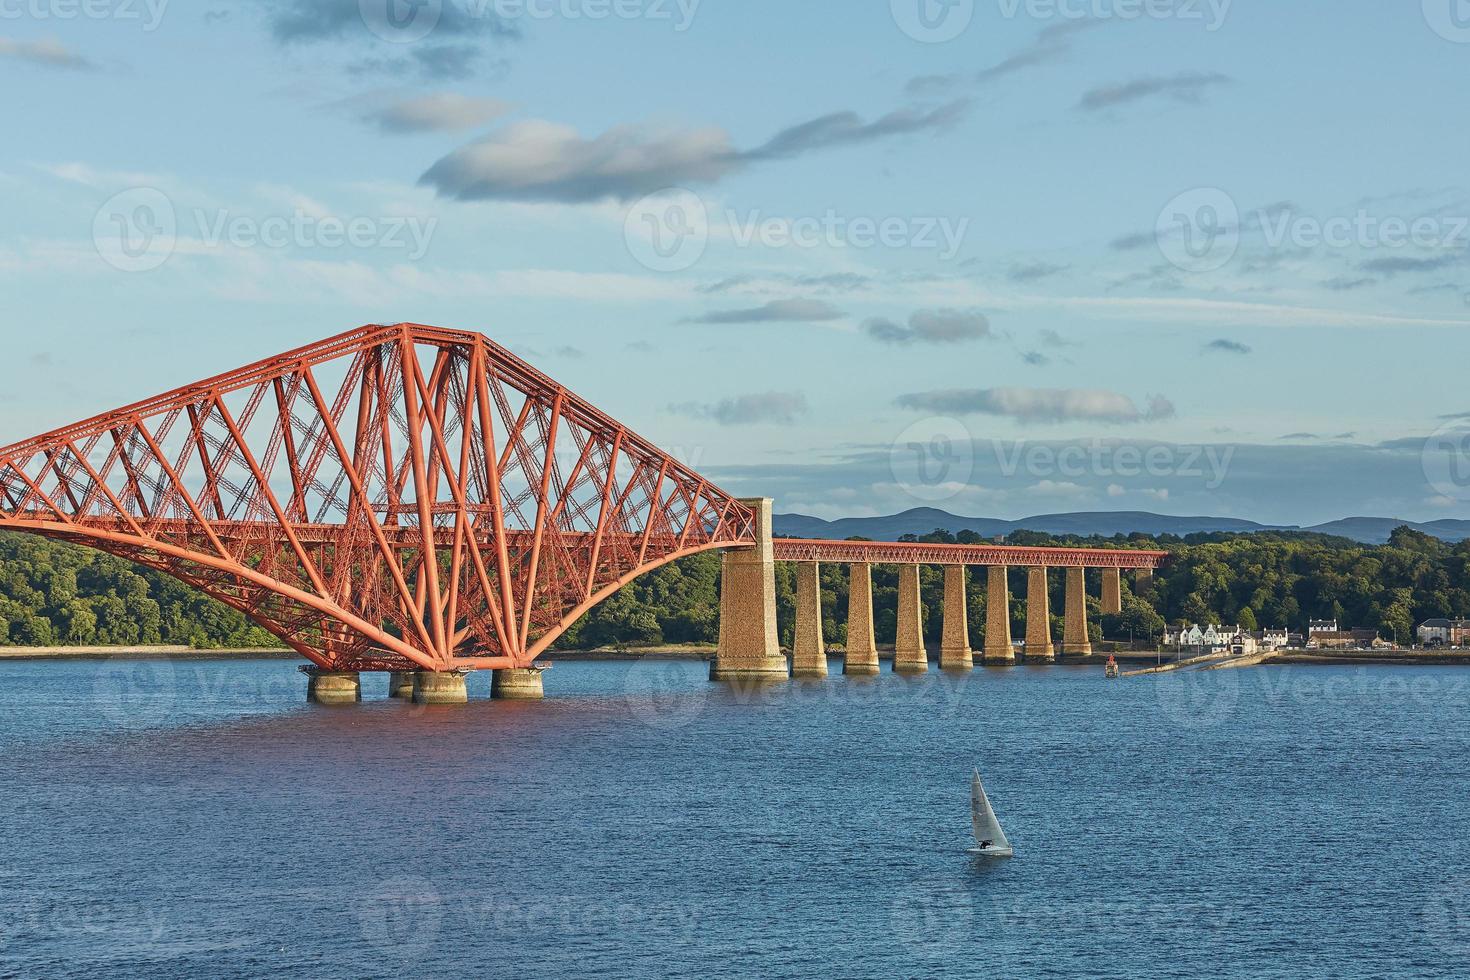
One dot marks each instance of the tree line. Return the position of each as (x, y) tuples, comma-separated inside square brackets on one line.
[(1276, 579), (58, 594)]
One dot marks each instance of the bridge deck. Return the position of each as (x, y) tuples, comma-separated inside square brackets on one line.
[(914, 553), (786, 549)]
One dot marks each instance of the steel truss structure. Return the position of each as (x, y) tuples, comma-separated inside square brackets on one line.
[(394, 498)]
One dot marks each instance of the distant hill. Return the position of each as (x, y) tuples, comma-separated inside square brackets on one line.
[(922, 520), (1375, 530)]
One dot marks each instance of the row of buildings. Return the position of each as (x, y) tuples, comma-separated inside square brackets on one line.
[(1322, 634)]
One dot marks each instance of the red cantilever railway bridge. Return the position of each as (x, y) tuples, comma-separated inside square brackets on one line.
[(402, 498)]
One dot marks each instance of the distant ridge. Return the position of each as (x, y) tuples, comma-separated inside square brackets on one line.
[(922, 520)]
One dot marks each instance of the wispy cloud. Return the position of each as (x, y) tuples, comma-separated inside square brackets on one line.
[(452, 38), (766, 408), (1034, 271), (1344, 284), (1132, 241), (1395, 264), (537, 160), (1052, 44), (304, 21), (841, 128), (1186, 86), (1041, 405), (1223, 346), (50, 53), (776, 311), (843, 281), (930, 327), (439, 112)]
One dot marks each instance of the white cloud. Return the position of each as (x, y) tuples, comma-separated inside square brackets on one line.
[(441, 112)]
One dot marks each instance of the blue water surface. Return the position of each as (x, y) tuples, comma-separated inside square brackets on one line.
[(198, 819)]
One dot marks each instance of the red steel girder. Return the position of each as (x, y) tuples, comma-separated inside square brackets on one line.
[(394, 497)]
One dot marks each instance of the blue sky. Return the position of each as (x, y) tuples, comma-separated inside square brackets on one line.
[(1007, 258)]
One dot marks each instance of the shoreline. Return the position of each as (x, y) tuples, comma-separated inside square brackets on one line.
[(1304, 658), (146, 653)]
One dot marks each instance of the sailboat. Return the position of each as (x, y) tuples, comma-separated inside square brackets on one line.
[(991, 840)]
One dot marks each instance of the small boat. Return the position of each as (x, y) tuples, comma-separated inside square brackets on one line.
[(1110, 669), (991, 840)]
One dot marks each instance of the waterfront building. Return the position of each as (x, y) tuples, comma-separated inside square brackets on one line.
[(1362, 638), (1444, 632)]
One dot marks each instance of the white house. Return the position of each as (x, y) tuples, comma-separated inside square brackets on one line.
[(1274, 639)]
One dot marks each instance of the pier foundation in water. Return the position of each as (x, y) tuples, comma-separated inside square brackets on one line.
[(333, 687), (434, 687), (518, 684)]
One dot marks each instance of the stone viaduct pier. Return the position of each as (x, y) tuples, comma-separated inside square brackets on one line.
[(749, 649)]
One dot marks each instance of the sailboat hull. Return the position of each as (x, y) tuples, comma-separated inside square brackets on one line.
[(992, 852)]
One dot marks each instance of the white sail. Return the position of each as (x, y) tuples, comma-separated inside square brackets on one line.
[(987, 828)]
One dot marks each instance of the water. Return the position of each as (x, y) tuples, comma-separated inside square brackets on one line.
[(187, 820)]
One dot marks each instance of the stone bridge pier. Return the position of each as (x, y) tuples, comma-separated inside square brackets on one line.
[(749, 648)]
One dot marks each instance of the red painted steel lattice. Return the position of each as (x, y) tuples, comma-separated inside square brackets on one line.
[(395, 497)]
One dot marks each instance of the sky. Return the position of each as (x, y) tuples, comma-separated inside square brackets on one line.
[(1002, 257)]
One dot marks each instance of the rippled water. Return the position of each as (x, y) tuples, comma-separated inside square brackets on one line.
[(190, 820)]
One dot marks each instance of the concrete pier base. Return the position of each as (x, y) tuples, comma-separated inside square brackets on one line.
[(1075, 641), (1112, 591), (750, 649), (954, 649), (431, 687), (333, 687), (400, 684), (808, 647), (909, 656), (1039, 648), (861, 657), (998, 648), (517, 684)]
